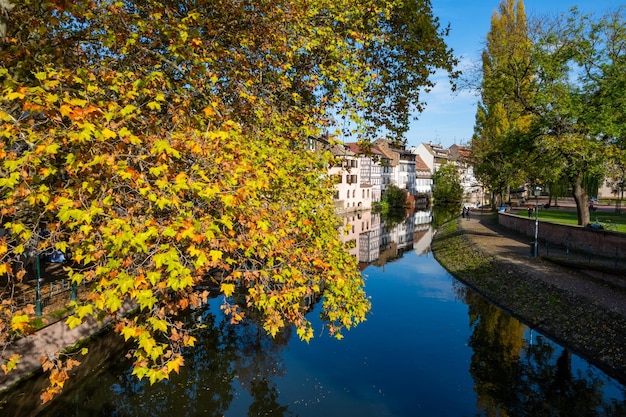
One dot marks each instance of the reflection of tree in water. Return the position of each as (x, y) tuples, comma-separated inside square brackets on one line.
[(443, 213), (265, 402), (203, 386), (497, 341), (257, 362), (223, 353), (513, 378), (393, 217)]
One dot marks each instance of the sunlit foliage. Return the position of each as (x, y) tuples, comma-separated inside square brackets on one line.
[(162, 145)]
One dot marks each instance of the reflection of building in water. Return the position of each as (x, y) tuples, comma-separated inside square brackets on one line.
[(361, 230), (402, 233), (423, 234), (395, 240), (373, 242), (369, 242)]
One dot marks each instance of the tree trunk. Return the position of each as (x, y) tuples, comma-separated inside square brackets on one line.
[(581, 199)]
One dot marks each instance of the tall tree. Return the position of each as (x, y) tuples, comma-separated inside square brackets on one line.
[(158, 142), (603, 59), (563, 120), (500, 148), (554, 79)]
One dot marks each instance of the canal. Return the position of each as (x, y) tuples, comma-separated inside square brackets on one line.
[(430, 347)]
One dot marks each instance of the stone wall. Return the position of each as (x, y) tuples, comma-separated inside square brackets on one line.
[(578, 238)]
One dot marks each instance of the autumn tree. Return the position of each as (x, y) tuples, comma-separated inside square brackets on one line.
[(500, 148), (162, 144), (557, 85)]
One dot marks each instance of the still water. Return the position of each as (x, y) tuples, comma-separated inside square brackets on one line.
[(430, 347)]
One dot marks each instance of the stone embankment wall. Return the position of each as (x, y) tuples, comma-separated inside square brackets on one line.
[(578, 238)]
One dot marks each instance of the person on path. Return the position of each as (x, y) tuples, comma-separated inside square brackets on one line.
[(467, 213)]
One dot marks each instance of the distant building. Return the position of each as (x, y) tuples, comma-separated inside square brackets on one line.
[(402, 164), (472, 190), (369, 174), (346, 173), (433, 155), (423, 177)]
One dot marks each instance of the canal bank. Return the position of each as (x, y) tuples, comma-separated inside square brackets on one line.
[(583, 313)]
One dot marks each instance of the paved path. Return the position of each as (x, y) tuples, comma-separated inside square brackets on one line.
[(46, 343), (506, 245)]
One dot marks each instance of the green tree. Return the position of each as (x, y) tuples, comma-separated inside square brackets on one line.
[(395, 197), (154, 140), (447, 187), (562, 125), (603, 60), (544, 114), (500, 147)]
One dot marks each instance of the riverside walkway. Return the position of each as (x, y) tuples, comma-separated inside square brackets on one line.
[(46, 342), (574, 302), (506, 245)]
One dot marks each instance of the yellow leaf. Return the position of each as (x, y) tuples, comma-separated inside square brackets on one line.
[(215, 255), (175, 364), (78, 102), (73, 321), (11, 363), (190, 341), (65, 110), (52, 148), (108, 133), (13, 95), (153, 105), (52, 98), (19, 322), (140, 371), (227, 289), (129, 108)]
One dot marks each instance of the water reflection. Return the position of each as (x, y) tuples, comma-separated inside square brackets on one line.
[(520, 373), (431, 347), (377, 240)]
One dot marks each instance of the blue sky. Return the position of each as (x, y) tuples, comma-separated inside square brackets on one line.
[(449, 117)]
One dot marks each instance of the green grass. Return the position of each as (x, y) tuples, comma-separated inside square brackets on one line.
[(611, 221)]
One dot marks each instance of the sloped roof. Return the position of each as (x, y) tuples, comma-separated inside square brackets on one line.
[(420, 165), (339, 150), (459, 152)]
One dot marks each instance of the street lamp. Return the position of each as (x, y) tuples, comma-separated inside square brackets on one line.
[(38, 289), (536, 247)]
